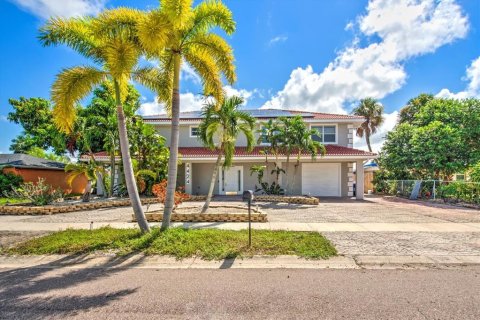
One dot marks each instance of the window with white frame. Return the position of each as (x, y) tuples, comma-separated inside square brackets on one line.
[(194, 132), (327, 134)]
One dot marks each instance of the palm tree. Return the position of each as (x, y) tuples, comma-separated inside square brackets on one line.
[(288, 140), (372, 111), (111, 41), (178, 32), (90, 170), (305, 143), (219, 130), (269, 133)]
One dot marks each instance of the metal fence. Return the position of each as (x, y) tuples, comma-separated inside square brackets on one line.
[(448, 191)]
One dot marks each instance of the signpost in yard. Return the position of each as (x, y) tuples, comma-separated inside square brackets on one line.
[(248, 196)]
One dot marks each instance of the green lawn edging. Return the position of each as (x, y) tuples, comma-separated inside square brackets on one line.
[(208, 244)]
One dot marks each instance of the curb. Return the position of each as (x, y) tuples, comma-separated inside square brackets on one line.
[(139, 261)]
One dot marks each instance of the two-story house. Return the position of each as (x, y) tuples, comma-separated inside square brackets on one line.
[(330, 176)]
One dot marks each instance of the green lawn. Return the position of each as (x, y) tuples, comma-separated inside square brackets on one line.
[(4, 201), (208, 244)]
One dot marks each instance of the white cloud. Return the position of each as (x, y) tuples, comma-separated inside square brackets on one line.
[(277, 39), (188, 102), (377, 140), (191, 102), (473, 87), (188, 73), (63, 8), (3, 118), (245, 94), (405, 28)]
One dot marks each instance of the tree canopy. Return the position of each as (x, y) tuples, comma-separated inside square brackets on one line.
[(434, 138)]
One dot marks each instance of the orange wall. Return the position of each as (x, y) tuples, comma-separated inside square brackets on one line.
[(55, 178)]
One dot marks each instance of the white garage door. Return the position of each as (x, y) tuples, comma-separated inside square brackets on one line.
[(321, 179)]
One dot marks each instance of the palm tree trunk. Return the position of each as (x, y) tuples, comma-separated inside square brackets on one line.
[(87, 192), (295, 170), (100, 184), (286, 174), (173, 160), (212, 183), (127, 165), (367, 138), (112, 173)]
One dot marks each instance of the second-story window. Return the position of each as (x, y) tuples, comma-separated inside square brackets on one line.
[(194, 132), (327, 134)]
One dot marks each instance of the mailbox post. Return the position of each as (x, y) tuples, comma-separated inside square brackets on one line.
[(248, 196)]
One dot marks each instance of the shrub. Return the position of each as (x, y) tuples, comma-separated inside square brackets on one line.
[(460, 192), (160, 191), (474, 173), (9, 181), (39, 193)]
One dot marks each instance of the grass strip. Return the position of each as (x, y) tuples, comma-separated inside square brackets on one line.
[(208, 244)]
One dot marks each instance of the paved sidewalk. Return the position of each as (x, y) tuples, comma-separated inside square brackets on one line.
[(139, 261), (295, 226)]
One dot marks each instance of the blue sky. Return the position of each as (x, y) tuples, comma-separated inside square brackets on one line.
[(298, 54)]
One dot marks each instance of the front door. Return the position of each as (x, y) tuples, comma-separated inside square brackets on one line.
[(231, 180)]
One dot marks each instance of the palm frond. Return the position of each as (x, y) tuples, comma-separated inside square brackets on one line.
[(73, 32), (157, 80), (154, 32), (210, 14), (117, 23), (70, 86), (179, 12), (121, 56), (208, 70)]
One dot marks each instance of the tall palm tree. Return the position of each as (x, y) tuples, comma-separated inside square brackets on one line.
[(111, 42), (305, 143), (372, 111), (178, 32), (219, 130)]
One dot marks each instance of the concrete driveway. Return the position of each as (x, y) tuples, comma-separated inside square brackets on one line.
[(375, 226)]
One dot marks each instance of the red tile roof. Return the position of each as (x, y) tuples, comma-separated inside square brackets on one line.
[(196, 115), (200, 152), (332, 150)]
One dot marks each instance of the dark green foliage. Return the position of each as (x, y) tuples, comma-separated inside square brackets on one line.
[(434, 139), (455, 192), (208, 244), (9, 181), (35, 116)]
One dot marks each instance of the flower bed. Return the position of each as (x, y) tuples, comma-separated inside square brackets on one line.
[(288, 199), (63, 207), (225, 213)]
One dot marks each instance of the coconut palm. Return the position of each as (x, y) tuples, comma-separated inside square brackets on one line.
[(219, 131), (372, 111), (176, 33), (110, 41)]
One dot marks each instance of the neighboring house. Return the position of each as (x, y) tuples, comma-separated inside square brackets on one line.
[(331, 175), (32, 168), (369, 168)]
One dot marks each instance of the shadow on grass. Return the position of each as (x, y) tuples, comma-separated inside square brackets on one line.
[(35, 292)]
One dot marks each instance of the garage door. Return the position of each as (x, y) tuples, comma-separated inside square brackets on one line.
[(321, 179)]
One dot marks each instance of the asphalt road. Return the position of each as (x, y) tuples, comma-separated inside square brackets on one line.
[(34, 293)]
